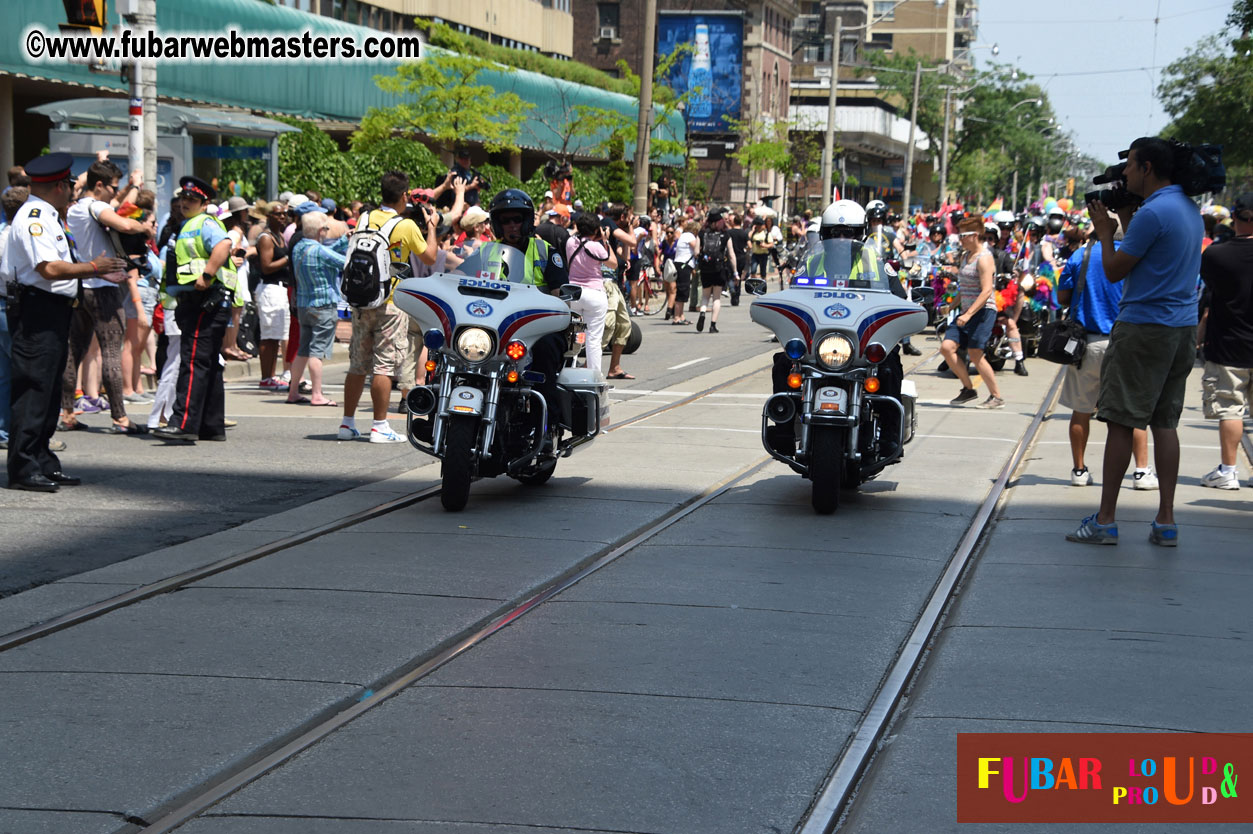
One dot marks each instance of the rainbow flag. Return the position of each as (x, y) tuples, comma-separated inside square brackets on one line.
[(130, 210), (997, 205)]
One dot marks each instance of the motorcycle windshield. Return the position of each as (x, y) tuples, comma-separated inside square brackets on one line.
[(838, 262), (495, 262)]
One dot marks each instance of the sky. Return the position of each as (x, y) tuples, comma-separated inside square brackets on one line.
[(1070, 45)]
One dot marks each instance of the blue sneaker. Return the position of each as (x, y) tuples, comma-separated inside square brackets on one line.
[(1090, 532), (87, 405), (1164, 535)]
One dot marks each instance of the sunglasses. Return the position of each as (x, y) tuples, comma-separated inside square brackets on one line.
[(966, 234), (512, 220)]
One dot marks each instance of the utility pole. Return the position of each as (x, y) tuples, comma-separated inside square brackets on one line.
[(948, 99), (828, 144), (1015, 186), (147, 20), (646, 109), (909, 151)]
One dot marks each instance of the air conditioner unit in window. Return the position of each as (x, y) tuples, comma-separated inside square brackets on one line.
[(608, 33)]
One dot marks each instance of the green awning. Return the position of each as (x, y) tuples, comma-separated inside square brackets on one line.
[(316, 90)]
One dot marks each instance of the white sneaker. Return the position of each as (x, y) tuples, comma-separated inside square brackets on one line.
[(1216, 479), (348, 433), (385, 436), (1080, 477), (1144, 480)]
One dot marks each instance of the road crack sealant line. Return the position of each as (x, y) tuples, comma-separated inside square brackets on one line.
[(836, 794), (180, 580), (190, 808)]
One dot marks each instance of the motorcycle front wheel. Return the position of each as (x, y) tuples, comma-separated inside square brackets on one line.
[(826, 465), (458, 469)]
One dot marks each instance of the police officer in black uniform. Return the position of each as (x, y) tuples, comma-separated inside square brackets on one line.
[(203, 287), (42, 258)]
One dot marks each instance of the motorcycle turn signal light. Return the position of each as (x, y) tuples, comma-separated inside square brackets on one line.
[(515, 350), (794, 380), (511, 377), (430, 366), (872, 385)]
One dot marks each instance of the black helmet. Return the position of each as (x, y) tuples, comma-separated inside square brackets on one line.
[(1055, 223), (512, 199)]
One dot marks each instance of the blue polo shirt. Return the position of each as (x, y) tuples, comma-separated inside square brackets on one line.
[(1165, 234), (1098, 308)]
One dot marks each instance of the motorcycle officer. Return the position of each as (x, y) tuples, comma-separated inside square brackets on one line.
[(846, 220), (512, 215)]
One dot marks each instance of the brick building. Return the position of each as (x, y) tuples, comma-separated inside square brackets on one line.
[(606, 31)]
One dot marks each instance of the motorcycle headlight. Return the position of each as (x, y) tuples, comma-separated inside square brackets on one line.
[(474, 344), (835, 351)]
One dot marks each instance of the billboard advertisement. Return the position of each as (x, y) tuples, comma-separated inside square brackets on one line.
[(712, 70)]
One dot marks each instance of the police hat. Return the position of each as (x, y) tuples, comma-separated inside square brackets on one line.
[(51, 167), (198, 188)]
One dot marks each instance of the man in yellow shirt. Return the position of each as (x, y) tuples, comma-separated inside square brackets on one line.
[(380, 335)]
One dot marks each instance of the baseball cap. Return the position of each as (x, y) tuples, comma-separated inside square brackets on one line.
[(473, 216), (1243, 203), (561, 209)]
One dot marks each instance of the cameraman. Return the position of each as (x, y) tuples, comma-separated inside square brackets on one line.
[(1153, 342), (462, 171)]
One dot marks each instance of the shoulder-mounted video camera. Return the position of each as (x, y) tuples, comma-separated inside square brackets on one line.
[(1198, 169), (554, 170)]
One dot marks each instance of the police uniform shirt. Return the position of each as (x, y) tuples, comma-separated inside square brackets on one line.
[(39, 238), (90, 238)]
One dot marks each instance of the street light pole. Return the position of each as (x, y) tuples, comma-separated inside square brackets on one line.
[(828, 143), (909, 150)]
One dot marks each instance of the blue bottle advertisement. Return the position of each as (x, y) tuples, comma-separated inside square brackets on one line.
[(700, 78)]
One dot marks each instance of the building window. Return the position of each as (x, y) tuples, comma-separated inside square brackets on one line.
[(881, 40), (607, 15), (848, 52), (885, 9)]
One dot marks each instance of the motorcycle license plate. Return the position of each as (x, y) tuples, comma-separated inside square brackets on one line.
[(831, 401)]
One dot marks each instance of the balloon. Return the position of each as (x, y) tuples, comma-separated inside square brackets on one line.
[(1066, 204), (1049, 203)]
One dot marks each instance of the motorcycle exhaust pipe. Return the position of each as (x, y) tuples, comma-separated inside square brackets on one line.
[(421, 400), (781, 408)]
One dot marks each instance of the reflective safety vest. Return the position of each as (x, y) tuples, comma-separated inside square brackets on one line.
[(192, 256), (868, 262), (537, 255)]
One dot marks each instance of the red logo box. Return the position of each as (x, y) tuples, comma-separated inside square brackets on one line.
[(1104, 777)]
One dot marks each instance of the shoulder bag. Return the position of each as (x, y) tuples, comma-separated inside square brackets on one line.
[(1064, 341)]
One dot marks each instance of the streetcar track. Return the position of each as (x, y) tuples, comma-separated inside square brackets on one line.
[(176, 581), (191, 807), (838, 790)]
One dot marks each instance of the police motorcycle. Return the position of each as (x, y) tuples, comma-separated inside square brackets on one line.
[(837, 323), (479, 412)]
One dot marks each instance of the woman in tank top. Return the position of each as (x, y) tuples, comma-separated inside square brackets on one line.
[(973, 328)]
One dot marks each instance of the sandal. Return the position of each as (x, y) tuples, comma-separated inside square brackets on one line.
[(72, 425), (620, 375), (680, 321), (132, 429), (297, 401), (328, 403)]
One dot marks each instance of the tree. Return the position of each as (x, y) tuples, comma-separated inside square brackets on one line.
[(1209, 95), (1000, 134), (895, 76), (764, 145), (618, 174), (447, 103)]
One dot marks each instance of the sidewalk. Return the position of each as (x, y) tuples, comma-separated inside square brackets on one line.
[(1051, 636), (251, 369)]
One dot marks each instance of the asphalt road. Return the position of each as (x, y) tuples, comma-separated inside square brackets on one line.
[(140, 495)]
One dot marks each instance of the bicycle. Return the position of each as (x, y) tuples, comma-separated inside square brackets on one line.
[(651, 292)]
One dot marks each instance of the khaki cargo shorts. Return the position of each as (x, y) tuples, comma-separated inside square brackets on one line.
[(617, 318), (1082, 382), (1226, 392), (1145, 375), (380, 338)]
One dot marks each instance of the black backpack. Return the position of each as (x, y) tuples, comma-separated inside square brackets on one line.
[(367, 277), (713, 250)]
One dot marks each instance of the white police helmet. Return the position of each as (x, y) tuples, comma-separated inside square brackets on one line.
[(844, 213), (1003, 218)]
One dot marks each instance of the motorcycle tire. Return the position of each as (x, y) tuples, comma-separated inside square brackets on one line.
[(540, 474), (633, 341), (458, 468), (826, 466)]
